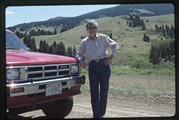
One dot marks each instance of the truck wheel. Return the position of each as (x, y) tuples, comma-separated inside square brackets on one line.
[(59, 108)]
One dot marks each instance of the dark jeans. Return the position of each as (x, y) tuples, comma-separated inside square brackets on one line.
[(99, 75)]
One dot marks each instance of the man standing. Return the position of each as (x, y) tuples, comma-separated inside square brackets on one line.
[(94, 48)]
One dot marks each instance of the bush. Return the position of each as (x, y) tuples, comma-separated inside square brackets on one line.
[(162, 51)]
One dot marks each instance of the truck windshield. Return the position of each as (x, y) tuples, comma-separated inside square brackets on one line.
[(13, 42)]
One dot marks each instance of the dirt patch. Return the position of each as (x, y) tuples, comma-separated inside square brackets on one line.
[(119, 105)]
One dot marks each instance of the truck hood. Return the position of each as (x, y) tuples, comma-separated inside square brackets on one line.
[(21, 58)]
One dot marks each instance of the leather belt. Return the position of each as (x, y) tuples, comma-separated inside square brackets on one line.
[(99, 60)]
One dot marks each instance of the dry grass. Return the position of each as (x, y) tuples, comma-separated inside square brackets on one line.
[(138, 85)]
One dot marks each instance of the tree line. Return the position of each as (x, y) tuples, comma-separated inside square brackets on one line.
[(166, 30), (36, 33), (44, 47), (42, 32), (57, 48), (135, 21), (162, 50)]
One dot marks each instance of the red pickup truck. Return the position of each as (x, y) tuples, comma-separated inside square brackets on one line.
[(39, 81)]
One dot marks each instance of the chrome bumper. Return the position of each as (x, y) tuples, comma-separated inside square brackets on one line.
[(35, 87)]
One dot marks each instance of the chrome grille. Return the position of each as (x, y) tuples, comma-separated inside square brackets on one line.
[(47, 71)]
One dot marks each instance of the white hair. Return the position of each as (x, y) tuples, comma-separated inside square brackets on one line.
[(92, 23)]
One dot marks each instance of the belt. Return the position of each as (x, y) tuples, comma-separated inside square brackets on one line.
[(99, 60)]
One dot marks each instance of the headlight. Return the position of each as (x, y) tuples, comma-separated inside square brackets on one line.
[(16, 74), (12, 74), (74, 69)]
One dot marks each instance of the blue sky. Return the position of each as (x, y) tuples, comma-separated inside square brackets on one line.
[(26, 14)]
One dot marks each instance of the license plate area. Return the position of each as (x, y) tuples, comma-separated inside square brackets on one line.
[(53, 89)]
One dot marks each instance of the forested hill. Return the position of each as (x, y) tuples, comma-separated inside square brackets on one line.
[(66, 23)]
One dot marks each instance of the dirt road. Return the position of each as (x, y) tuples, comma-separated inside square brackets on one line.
[(118, 106)]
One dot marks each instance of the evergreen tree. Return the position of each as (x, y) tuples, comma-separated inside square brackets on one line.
[(47, 47), (26, 40), (33, 44), (156, 27), (51, 49), (44, 45), (172, 32), (74, 51), (20, 35), (162, 51), (63, 50), (69, 51), (38, 32), (40, 46), (146, 38), (167, 30), (55, 47), (55, 31)]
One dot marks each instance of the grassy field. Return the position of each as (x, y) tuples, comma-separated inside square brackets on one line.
[(131, 71), (139, 85)]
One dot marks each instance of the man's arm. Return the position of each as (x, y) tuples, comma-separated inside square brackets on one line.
[(114, 46), (80, 54)]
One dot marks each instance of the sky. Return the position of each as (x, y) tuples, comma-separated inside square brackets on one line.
[(25, 14)]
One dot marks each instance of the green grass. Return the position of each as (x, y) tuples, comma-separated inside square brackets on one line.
[(133, 53), (131, 71), (138, 84)]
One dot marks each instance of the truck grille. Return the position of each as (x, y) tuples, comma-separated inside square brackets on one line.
[(47, 71)]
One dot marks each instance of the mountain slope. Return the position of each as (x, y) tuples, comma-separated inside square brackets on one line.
[(125, 9)]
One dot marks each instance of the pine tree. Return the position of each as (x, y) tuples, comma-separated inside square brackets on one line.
[(55, 47), (38, 32), (69, 51), (33, 44), (146, 38), (172, 32), (51, 49), (43, 46), (74, 51), (63, 50), (26, 40), (156, 27), (40, 46), (47, 48), (55, 31)]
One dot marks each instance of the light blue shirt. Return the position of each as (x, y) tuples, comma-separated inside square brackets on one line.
[(96, 48)]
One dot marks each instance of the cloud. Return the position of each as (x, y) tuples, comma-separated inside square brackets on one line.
[(9, 12)]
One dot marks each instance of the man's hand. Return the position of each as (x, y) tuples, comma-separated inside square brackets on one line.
[(108, 60)]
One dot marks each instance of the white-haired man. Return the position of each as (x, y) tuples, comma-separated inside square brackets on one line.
[(94, 48)]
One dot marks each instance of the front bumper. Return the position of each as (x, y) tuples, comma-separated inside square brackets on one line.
[(36, 87)]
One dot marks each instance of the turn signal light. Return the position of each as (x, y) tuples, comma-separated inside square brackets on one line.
[(17, 90)]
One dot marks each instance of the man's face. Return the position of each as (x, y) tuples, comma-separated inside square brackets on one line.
[(91, 30)]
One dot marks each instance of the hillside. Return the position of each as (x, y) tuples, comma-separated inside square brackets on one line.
[(133, 55), (133, 52), (130, 39), (66, 23)]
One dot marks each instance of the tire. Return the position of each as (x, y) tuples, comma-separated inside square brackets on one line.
[(59, 108)]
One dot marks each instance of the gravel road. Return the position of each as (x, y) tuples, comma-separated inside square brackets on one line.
[(118, 106)]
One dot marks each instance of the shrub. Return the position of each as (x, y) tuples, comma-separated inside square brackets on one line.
[(162, 51)]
